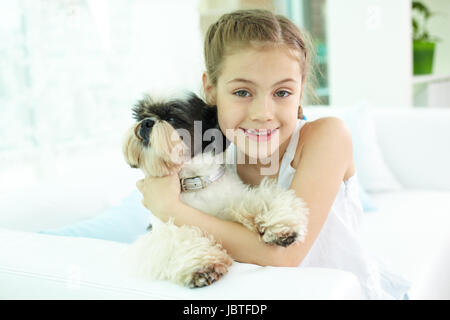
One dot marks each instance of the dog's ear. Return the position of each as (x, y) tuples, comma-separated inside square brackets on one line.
[(131, 148), (211, 121), (167, 153), (168, 145)]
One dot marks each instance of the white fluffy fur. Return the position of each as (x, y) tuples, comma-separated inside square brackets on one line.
[(190, 257), (184, 255)]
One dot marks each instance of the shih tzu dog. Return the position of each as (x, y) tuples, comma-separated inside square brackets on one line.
[(182, 135)]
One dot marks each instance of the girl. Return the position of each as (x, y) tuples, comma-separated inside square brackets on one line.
[(256, 69)]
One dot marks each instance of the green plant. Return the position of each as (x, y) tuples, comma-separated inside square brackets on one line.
[(421, 14)]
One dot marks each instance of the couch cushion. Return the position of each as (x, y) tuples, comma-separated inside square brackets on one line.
[(415, 145), (408, 229), (124, 222), (82, 182), (36, 266)]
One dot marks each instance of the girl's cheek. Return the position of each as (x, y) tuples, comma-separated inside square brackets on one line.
[(227, 129)]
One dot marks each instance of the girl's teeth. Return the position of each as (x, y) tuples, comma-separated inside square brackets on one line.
[(259, 133)]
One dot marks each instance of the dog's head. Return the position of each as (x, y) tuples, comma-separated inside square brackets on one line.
[(169, 132)]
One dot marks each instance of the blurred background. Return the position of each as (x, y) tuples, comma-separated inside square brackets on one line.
[(70, 70)]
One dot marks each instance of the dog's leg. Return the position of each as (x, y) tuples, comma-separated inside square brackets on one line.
[(278, 215), (184, 255)]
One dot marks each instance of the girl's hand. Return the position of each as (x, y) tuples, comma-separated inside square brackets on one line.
[(160, 194)]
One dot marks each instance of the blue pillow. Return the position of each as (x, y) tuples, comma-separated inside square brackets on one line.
[(122, 223)]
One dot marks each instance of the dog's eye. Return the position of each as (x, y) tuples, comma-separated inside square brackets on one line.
[(171, 119)]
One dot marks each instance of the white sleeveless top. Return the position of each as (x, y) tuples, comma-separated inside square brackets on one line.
[(338, 244)]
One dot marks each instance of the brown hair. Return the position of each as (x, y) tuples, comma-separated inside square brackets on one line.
[(255, 27)]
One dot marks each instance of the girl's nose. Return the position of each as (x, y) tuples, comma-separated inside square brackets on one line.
[(261, 110)]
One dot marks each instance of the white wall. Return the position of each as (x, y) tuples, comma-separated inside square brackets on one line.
[(70, 72), (73, 70), (370, 56)]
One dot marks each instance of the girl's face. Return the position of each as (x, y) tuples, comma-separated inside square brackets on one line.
[(259, 90)]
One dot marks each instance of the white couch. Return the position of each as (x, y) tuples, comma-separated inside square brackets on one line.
[(408, 231)]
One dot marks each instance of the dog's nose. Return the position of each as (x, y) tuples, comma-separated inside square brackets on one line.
[(146, 127)]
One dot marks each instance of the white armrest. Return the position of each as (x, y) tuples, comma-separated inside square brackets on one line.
[(416, 145), (35, 266), (414, 142)]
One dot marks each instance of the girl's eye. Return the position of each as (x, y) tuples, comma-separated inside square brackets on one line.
[(282, 93), (242, 93)]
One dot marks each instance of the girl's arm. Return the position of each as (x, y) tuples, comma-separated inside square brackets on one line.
[(326, 156), (242, 244)]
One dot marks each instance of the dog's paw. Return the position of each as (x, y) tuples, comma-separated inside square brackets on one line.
[(284, 222), (281, 239), (278, 215), (208, 275)]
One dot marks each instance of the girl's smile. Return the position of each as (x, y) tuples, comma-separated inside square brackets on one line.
[(260, 135)]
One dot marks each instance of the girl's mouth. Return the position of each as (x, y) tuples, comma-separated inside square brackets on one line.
[(259, 134)]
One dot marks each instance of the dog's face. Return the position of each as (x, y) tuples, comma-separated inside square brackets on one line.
[(165, 136)]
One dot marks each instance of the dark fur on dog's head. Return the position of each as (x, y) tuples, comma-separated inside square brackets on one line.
[(168, 115), (181, 114)]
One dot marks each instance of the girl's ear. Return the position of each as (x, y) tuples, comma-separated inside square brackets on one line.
[(300, 112), (209, 89), (300, 109)]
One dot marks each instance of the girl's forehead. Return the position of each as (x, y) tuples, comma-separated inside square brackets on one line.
[(260, 53), (267, 62)]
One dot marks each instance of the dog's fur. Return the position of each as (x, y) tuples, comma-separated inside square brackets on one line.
[(187, 255)]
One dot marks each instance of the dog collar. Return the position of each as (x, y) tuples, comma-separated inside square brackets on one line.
[(201, 182)]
